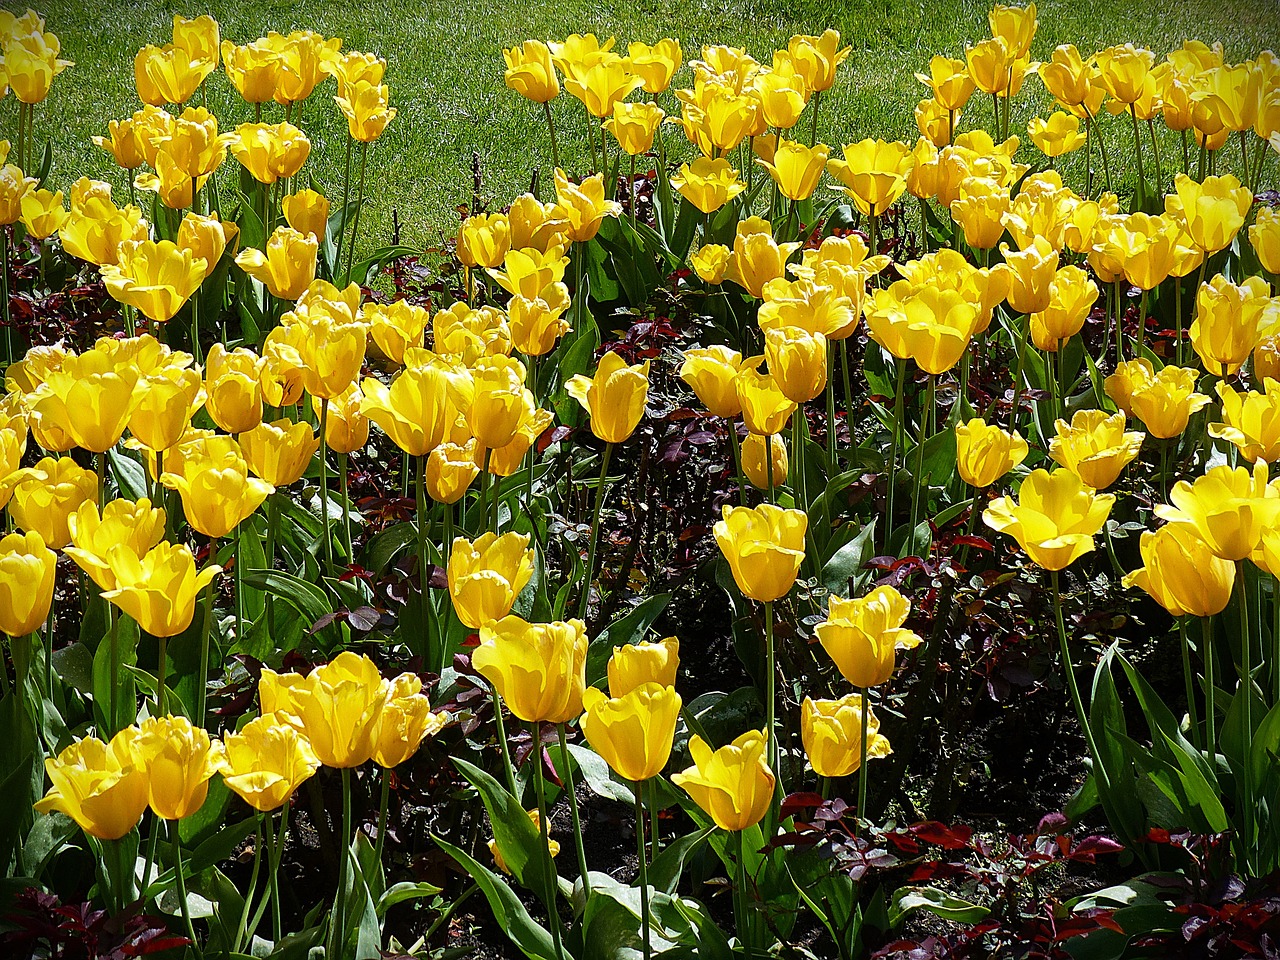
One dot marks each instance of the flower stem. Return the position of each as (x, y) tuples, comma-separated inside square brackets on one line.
[(544, 829), (572, 792), (179, 875), (205, 631), (1067, 667), (862, 756), (324, 485), (644, 871), (338, 921), (551, 125), (355, 224), (770, 693), (384, 800), (893, 449), (1210, 687), (585, 599)]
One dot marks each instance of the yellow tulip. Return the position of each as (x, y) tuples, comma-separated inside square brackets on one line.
[(831, 731), (406, 720), (756, 258), (95, 228), (14, 188), (483, 240), (179, 761), (1251, 421), (980, 210), (553, 846), (27, 572), (253, 70), (985, 452), (765, 408), (340, 706), (614, 398), (169, 74), (1230, 321), (450, 470), (102, 787), (633, 126), (764, 547), (234, 392), (419, 407), (634, 731), (1071, 298), (270, 152), (1229, 508), (47, 494), (31, 63), (537, 323), (754, 465), (934, 122), (123, 144), (43, 213), (279, 452), (138, 526), (1181, 573), (206, 237), (992, 66), (155, 277), (1058, 135), (798, 361), (634, 664), (266, 761), (499, 401), (1095, 446), (1213, 211), (796, 168), (364, 104), (288, 265), (712, 373), (1123, 71), (602, 85), (1031, 276), (1067, 76), (782, 94), (733, 785), (530, 72), (817, 57), (950, 82), (1264, 235), (486, 575), (507, 460), (873, 173), (217, 494), (1054, 518), (1164, 401), (1016, 26), (862, 635), (539, 669), (90, 400), (929, 324), (708, 184), (307, 212), (583, 206), (303, 55), (160, 589), (655, 64)]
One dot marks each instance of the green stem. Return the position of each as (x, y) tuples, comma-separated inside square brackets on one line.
[(1188, 682), (1245, 689), (277, 926), (736, 446), (346, 510), (893, 450), (355, 224), (9, 350), (162, 686), (544, 830), (644, 871), (501, 731), (655, 844), (917, 480), (384, 801), (1077, 702), (324, 485), (242, 931), (770, 694), (813, 129), (571, 790), (239, 583), (585, 600), (863, 814), (551, 125), (424, 571), (1210, 686), (1137, 144), (205, 631), (338, 920)]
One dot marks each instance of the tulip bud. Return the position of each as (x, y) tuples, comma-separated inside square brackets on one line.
[(27, 570), (633, 732), (733, 785), (832, 734), (486, 575)]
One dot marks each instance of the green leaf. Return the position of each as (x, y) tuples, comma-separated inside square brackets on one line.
[(667, 866), (627, 629), (938, 902), (518, 840), (129, 474), (594, 771), (842, 569), (403, 892), (118, 650), (308, 599)]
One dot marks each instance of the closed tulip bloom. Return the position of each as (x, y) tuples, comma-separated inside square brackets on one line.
[(1164, 401), (1095, 446), (340, 706), (764, 546), (1015, 25), (406, 720), (168, 74), (816, 58), (1071, 298), (1229, 508), (288, 265), (537, 324), (138, 526), (634, 664), (655, 64), (206, 237), (782, 94), (933, 120), (332, 349), (1058, 135), (499, 400), (279, 452), (487, 574), (873, 173), (583, 206), (539, 669), (708, 184), (1067, 75), (14, 187), (94, 231), (980, 211), (1031, 277), (155, 277), (304, 55), (1123, 70), (601, 85), (832, 734), (933, 326), (123, 144), (347, 429), (985, 452), (43, 213), (30, 66), (1213, 211), (1181, 573), (451, 468), (217, 495), (634, 731), (101, 786), (160, 589), (483, 240), (1251, 421), (796, 168), (950, 82), (798, 361), (712, 374), (307, 212), (733, 785), (1054, 517), (90, 400), (27, 571), (266, 761), (253, 70), (862, 635), (47, 495), (1130, 377), (614, 398), (1264, 235), (365, 105), (992, 65), (179, 761), (765, 408), (1230, 94), (1230, 321), (754, 465), (270, 152), (756, 258), (633, 126), (419, 407), (530, 72), (233, 388), (396, 326)]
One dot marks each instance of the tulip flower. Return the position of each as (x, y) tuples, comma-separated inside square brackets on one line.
[(831, 732), (27, 571), (765, 408), (862, 635), (499, 401), (782, 94), (288, 265), (1071, 298), (1058, 135), (307, 212), (1123, 70), (156, 278), (950, 82), (933, 326), (553, 846), (346, 428), (451, 468), (1163, 402), (101, 786), (756, 258), (419, 407), (1054, 517), (633, 732), (655, 64), (796, 168), (233, 388), (158, 590), (270, 152), (633, 665), (530, 72), (1230, 321), (980, 210), (340, 706), (365, 105), (602, 84), (123, 144), (43, 213), (1067, 76), (538, 323), (14, 187), (406, 720), (169, 74), (483, 240), (764, 547), (486, 575), (733, 785), (633, 126), (985, 452), (266, 761), (798, 361), (217, 494), (95, 229), (712, 373), (934, 122), (708, 184), (1181, 572), (1264, 235), (253, 70), (137, 526), (1032, 272), (1228, 507), (754, 465), (396, 326), (817, 57), (1095, 446), (90, 400), (179, 761), (538, 669), (47, 495), (330, 345), (1213, 211), (873, 173), (1251, 421), (279, 452), (206, 237), (614, 398)]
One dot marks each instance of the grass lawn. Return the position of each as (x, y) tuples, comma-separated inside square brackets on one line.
[(445, 73)]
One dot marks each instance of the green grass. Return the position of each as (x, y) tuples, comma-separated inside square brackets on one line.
[(445, 73)]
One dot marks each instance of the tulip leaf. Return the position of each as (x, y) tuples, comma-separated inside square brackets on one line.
[(202, 826), (129, 474), (668, 866), (840, 574), (117, 652), (627, 629), (403, 892), (595, 771), (308, 599), (941, 904), (531, 937), (384, 547)]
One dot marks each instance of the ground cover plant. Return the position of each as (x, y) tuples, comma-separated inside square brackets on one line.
[(736, 545)]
